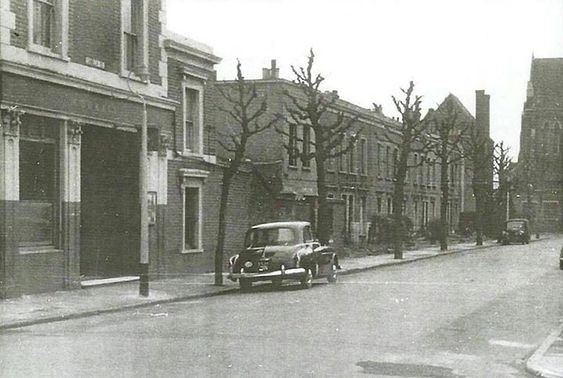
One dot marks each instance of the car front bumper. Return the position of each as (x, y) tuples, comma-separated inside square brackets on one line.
[(294, 273)]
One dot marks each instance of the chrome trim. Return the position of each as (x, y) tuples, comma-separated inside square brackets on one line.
[(288, 273)]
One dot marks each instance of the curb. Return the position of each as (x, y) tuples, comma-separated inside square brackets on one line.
[(149, 303), (534, 365)]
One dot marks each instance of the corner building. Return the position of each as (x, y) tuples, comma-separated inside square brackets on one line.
[(73, 79)]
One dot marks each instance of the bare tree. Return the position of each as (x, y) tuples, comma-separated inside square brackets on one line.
[(447, 147), (503, 171), (411, 138), (310, 109), (479, 153), (245, 110)]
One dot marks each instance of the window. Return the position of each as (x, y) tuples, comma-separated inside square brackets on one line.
[(43, 21), (363, 156), (342, 157), (389, 206), (378, 205), (134, 44), (422, 166), (306, 146), (38, 206), (192, 120), (192, 218), (292, 146), (387, 162), (415, 178), (351, 157), (48, 26), (395, 162), (379, 157)]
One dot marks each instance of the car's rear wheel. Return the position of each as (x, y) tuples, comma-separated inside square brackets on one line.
[(307, 280), (245, 284), (332, 274)]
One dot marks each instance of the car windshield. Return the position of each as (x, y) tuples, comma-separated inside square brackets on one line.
[(261, 237), (515, 225)]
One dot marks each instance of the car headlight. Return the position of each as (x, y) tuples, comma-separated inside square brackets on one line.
[(248, 264)]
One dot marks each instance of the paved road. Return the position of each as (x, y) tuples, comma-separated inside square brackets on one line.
[(476, 314)]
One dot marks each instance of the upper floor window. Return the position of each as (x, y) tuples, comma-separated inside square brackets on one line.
[(292, 146), (351, 163), (363, 156), (134, 39), (306, 146), (192, 120), (48, 26)]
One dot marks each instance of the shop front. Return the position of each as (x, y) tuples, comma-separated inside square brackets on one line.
[(69, 207)]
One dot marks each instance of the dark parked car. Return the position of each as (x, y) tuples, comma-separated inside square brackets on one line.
[(282, 251), (516, 230)]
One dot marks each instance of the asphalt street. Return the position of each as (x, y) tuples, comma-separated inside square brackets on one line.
[(474, 314)]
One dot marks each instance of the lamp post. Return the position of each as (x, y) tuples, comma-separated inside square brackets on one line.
[(143, 198)]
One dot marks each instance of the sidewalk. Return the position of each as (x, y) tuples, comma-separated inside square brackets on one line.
[(547, 360), (63, 305)]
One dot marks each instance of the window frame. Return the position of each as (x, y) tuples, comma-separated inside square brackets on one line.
[(189, 85), (292, 143), (192, 184), (140, 31), (306, 147), (58, 45)]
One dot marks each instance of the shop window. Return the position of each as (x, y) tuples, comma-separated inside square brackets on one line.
[(38, 194), (192, 120), (192, 218), (48, 26)]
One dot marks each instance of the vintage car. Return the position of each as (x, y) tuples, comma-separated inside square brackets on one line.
[(282, 251), (516, 230)]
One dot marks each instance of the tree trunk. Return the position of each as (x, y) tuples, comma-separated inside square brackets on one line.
[(444, 187), (324, 224), (398, 196), (227, 178), (478, 217)]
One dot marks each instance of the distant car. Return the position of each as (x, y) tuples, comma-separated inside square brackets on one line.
[(516, 230), (561, 259), (282, 251)]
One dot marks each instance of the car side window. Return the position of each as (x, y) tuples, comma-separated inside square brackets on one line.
[(307, 235)]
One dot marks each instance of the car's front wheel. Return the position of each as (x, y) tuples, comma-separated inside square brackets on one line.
[(307, 280), (332, 274), (245, 284)]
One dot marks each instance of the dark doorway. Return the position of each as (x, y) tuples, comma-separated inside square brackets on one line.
[(109, 232)]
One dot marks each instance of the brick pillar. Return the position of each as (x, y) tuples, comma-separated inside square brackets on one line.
[(70, 139), (9, 197)]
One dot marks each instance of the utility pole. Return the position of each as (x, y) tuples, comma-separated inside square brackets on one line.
[(143, 200)]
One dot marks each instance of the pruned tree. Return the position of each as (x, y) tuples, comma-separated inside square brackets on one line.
[(479, 154), (410, 137), (246, 110), (502, 164), (312, 110), (449, 129)]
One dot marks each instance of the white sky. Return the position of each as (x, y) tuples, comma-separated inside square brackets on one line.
[(368, 50)]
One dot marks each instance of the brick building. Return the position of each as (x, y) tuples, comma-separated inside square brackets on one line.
[(540, 162), (73, 80), (360, 183)]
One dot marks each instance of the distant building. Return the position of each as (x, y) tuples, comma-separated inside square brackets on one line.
[(540, 162), (360, 183)]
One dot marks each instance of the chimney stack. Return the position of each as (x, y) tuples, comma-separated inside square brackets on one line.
[(271, 73), (482, 115)]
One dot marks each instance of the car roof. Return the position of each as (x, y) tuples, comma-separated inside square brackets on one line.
[(291, 224)]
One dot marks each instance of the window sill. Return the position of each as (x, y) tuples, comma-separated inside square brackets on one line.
[(308, 169), (292, 167), (191, 251), (38, 250), (41, 50)]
